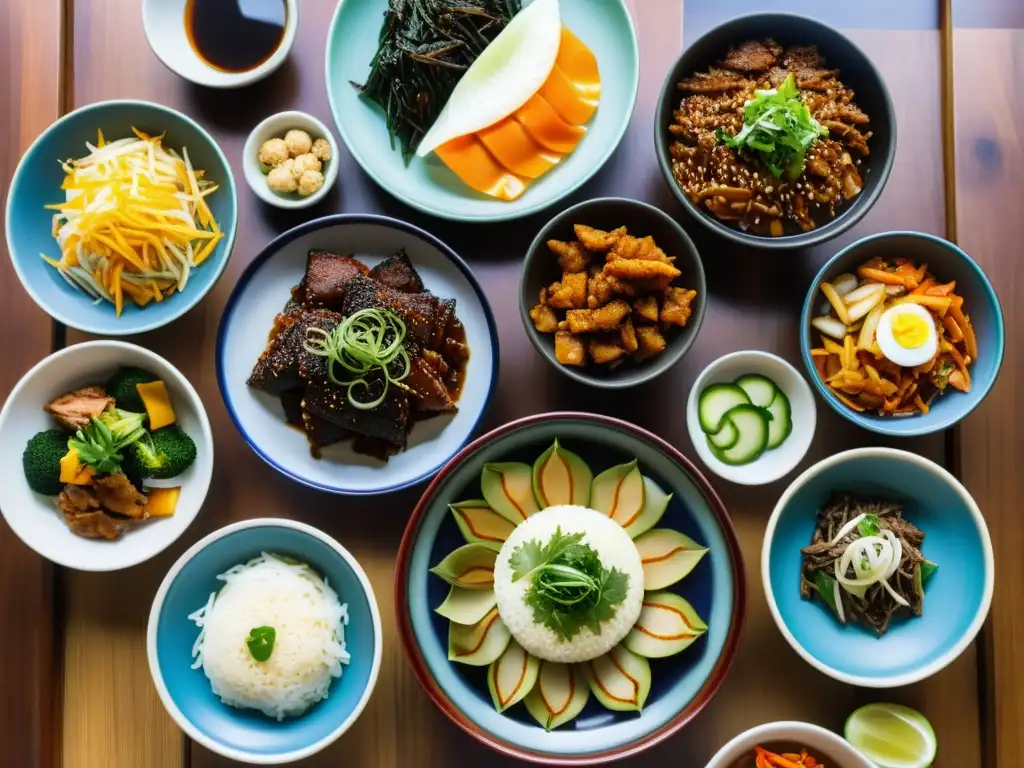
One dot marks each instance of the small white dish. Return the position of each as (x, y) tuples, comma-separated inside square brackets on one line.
[(34, 518), (826, 746), (261, 293), (276, 126), (164, 24), (772, 464)]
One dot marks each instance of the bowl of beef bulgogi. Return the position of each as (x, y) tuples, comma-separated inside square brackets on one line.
[(357, 354), (109, 453), (877, 566), (776, 131)]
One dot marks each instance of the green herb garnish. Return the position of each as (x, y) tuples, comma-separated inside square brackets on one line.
[(777, 125), (261, 642), (570, 588), (869, 526), (99, 443), (946, 367), (424, 48), (366, 342)]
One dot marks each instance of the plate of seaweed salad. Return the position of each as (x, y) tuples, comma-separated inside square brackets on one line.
[(394, 70)]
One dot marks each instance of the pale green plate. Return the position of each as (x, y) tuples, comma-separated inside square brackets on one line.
[(425, 183)]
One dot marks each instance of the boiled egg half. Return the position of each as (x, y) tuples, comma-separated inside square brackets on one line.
[(906, 335)]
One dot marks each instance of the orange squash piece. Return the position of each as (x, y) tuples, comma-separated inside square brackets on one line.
[(547, 127), (469, 159), (511, 145), (572, 104), (579, 64)]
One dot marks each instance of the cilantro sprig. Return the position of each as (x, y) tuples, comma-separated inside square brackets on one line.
[(778, 126), (570, 588)]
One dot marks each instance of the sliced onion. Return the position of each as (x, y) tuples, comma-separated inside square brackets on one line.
[(876, 550), (830, 327), (897, 553), (838, 597), (898, 598), (847, 528), (845, 283), (868, 289)]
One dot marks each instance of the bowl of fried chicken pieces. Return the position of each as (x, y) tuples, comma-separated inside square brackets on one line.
[(612, 292)]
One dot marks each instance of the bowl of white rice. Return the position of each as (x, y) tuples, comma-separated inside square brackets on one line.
[(264, 641)]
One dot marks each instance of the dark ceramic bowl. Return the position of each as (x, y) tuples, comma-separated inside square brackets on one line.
[(947, 262), (856, 71), (540, 269), (682, 685)]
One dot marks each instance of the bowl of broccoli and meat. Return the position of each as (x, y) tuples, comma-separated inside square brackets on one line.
[(116, 455)]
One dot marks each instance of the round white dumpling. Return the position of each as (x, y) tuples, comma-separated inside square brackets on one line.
[(906, 335)]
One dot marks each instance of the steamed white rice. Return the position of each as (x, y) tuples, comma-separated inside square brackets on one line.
[(309, 648), (613, 547)]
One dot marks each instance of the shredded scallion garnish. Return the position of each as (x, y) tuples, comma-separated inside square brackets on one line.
[(364, 342)]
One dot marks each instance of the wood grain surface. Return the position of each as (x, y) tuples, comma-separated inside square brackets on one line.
[(31, 36), (988, 68), (111, 716)]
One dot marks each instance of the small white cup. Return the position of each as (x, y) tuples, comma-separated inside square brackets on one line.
[(276, 126), (164, 24)]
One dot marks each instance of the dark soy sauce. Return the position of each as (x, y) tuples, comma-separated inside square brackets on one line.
[(235, 35)]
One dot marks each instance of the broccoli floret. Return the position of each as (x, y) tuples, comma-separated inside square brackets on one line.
[(121, 387), (165, 453), (41, 461)]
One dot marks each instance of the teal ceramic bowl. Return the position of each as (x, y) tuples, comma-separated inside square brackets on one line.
[(247, 735), (681, 685), (426, 183), (957, 596), (947, 262), (37, 182)]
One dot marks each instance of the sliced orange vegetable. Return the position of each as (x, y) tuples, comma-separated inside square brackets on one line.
[(158, 404), (547, 127), (570, 102), (74, 472), (469, 159), (512, 146), (579, 64), (162, 501)]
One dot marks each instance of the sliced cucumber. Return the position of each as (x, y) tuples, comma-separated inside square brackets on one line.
[(715, 401), (782, 420), (760, 389), (752, 424), (726, 437)]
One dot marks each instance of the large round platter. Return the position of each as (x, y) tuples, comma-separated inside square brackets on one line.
[(261, 294), (425, 183), (681, 685)]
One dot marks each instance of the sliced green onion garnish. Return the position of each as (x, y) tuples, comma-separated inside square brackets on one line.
[(364, 342)]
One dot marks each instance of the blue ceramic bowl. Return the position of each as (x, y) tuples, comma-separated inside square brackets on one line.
[(246, 735), (947, 262), (957, 598), (681, 685), (37, 182)]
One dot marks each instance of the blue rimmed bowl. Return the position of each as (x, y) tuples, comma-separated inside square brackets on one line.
[(947, 262), (681, 685), (426, 183), (37, 182), (957, 597), (261, 293), (246, 735)]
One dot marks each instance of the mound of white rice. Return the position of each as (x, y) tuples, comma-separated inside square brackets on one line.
[(309, 647), (613, 547)]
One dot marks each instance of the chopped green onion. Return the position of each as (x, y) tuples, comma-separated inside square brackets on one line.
[(261, 642), (366, 341)]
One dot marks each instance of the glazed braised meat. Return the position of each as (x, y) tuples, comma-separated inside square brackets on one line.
[(117, 494), (75, 409), (85, 516), (334, 288), (734, 185)]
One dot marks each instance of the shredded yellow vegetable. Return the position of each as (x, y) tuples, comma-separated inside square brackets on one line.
[(135, 221)]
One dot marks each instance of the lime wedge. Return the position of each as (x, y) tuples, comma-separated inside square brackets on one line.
[(892, 736)]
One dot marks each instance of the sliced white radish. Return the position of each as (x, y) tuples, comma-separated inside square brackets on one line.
[(830, 327), (503, 78), (868, 289), (845, 283)]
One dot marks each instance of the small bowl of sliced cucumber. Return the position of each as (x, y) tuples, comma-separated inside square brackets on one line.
[(751, 417)]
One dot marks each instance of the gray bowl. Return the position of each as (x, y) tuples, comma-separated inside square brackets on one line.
[(540, 268), (856, 71)]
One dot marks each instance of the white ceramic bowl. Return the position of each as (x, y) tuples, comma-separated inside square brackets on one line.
[(164, 25), (827, 747), (773, 464), (34, 518), (276, 126)]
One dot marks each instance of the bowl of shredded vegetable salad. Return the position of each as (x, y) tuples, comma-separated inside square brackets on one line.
[(121, 217)]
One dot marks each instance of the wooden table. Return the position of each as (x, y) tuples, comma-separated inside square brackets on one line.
[(74, 685)]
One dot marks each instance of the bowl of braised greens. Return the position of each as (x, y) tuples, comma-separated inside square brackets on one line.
[(775, 131), (111, 456), (877, 566)]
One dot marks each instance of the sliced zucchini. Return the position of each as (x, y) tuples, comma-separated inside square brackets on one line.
[(715, 401), (726, 437), (760, 389), (752, 424), (781, 424)]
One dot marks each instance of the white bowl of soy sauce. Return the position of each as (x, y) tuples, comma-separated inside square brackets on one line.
[(221, 43)]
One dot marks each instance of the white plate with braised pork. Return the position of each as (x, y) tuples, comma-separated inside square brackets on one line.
[(357, 354)]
